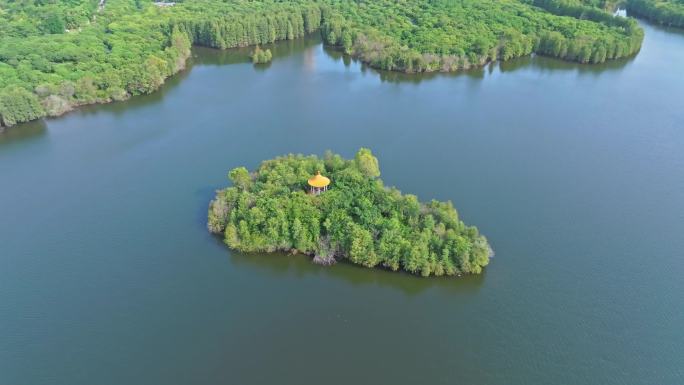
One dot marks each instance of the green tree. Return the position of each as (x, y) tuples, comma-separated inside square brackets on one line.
[(260, 56), (240, 178), (18, 105), (367, 163), (54, 23)]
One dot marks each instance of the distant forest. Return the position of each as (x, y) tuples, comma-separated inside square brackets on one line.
[(59, 54)]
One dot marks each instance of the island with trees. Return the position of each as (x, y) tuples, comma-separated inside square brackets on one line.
[(333, 208), (261, 56), (56, 55)]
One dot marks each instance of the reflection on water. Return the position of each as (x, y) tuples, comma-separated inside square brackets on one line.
[(210, 56), (281, 264), (214, 57), (22, 131), (537, 62), (547, 64), (39, 127), (262, 66), (241, 55), (662, 28), (136, 102)]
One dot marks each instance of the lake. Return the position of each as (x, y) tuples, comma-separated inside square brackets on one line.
[(574, 173)]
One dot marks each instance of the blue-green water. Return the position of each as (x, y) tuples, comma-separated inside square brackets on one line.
[(575, 174)]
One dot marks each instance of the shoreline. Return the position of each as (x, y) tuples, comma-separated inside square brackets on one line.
[(182, 66), (475, 66), (30, 101)]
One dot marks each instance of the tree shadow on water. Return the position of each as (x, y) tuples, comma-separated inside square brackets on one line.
[(262, 66), (535, 62), (22, 131), (242, 55), (299, 265), (337, 55), (280, 264), (137, 101), (549, 64)]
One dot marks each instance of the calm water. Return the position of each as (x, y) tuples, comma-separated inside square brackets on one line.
[(575, 173)]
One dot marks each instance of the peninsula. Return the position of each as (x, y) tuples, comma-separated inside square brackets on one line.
[(333, 208)]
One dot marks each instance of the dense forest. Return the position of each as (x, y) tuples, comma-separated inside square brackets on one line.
[(58, 54), (417, 36), (357, 219), (666, 12)]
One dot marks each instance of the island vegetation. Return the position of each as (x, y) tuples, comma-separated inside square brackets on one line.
[(59, 54), (358, 219), (261, 56)]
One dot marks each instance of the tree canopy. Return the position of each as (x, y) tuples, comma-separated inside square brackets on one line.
[(261, 56), (666, 12), (359, 219), (448, 35), (68, 53)]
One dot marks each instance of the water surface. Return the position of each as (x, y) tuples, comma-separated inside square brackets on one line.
[(575, 173)]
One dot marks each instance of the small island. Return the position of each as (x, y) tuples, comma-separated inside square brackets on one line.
[(261, 56), (334, 208)]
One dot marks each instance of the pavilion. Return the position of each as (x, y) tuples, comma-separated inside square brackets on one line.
[(318, 183)]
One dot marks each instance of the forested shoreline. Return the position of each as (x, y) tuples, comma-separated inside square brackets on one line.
[(666, 12), (414, 38), (128, 49), (357, 219), (59, 55)]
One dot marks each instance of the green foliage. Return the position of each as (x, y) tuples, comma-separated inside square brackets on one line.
[(260, 56), (358, 218), (54, 24), (666, 12), (367, 163), (447, 35), (240, 178), (71, 52), (18, 105)]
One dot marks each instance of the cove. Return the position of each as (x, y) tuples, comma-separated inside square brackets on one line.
[(575, 174)]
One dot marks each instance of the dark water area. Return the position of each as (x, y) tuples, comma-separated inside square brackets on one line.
[(575, 174)]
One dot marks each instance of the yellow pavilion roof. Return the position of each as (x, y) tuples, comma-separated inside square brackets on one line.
[(318, 180)]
